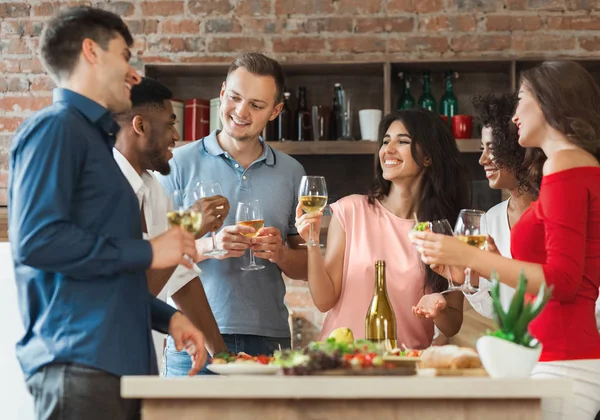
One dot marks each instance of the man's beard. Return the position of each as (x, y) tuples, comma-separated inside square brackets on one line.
[(156, 158)]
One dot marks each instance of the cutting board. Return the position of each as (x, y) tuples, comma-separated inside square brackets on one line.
[(452, 372)]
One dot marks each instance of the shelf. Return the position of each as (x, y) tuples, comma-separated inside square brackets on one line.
[(344, 147)]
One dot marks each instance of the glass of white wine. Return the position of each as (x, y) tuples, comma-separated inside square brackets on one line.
[(206, 189), (313, 198), (470, 228), (250, 214), (181, 214)]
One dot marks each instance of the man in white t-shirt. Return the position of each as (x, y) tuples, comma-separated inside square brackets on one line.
[(143, 145)]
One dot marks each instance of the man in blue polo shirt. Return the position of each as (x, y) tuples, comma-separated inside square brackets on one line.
[(248, 305), (76, 233)]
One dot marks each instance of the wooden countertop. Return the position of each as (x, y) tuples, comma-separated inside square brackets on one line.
[(323, 387)]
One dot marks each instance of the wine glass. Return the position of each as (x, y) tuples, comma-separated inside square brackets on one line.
[(181, 214), (205, 189), (313, 197), (443, 227), (470, 228), (250, 214)]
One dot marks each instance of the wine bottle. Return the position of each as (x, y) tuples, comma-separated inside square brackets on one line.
[(426, 100), (284, 120), (406, 100), (303, 119), (449, 102), (380, 321)]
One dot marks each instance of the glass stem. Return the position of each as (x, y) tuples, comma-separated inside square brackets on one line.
[(468, 278), (213, 241), (450, 283), (252, 262)]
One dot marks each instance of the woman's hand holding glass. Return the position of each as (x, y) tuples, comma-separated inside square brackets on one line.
[(308, 224), (312, 198)]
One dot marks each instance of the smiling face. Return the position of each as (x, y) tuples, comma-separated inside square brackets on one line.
[(115, 75), (498, 178), (395, 155), (529, 119), (159, 139), (247, 104)]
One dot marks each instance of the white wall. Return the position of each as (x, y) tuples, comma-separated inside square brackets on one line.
[(15, 401)]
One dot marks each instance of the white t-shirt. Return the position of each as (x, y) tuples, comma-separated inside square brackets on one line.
[(150, 191)]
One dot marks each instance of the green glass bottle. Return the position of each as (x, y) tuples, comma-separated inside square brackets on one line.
[(449, 103), (427, 101), (406, 100)]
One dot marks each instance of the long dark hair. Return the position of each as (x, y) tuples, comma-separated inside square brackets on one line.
[(496, 112), (445, 186), (570, 101)]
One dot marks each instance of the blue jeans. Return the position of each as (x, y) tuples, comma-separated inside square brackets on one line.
[(178, 363)]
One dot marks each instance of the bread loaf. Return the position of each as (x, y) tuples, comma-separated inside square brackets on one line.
[(450, 357)]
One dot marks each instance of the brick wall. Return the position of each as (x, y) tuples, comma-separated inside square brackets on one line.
[(195, 31)]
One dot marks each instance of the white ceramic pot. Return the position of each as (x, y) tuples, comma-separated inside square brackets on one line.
[(504, 359)]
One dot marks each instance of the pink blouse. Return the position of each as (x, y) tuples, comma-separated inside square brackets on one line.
[(374, 233)]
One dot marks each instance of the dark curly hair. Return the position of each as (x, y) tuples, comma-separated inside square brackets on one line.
[(496, 111), (445, 186)]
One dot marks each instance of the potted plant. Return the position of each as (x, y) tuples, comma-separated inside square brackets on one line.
[(510, 351)]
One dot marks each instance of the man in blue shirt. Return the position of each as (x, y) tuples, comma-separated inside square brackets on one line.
[(248, 305), (76, 237)]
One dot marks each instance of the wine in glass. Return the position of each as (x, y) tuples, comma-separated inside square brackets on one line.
[(207, 189), (250, 214), (181, 214), (470, 228), (313, 198)]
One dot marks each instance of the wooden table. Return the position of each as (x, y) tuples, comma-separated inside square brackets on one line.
[(320, 397)]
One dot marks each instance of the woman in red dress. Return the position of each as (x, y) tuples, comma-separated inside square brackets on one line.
[(557, 240)]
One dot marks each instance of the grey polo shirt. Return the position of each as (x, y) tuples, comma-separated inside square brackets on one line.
[(243, 302)]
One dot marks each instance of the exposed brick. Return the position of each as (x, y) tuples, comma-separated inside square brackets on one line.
[(551, 5), (303, 7), (51, 8), (17, 84), (459, 23), (542, 42), (24, 103), (14, 45), (14, 10), (208, 59), (9, 124), (292, 44), (468, 43), (590, 43), (476, 5), (419, 6), (332, 24), (177, 26), (3, 84), (42, 83), (418, 44), (31, 66), (358, 6), (21, 27), (9, 66), (193, 44), (253, 26), (142, 26), (236, 44), (121, 8), (162, 8), (582, 4), (253, 8), (513, 23), (357, 44), (516, 4), (206, 7), (576, 23), (154, 59), (384, 24), (223, 25)]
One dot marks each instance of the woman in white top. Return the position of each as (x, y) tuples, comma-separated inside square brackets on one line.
[(506, 167)]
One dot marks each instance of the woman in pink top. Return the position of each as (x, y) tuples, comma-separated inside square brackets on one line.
[(418, 171)]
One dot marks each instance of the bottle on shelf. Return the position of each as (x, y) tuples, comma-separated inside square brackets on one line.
[(426, 100), (345, 120), (335, 130), (284, 120), (406, 100), (380, 321), (449, 102), (303, 119)]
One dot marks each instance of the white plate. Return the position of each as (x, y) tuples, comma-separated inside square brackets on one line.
[(243, 369)]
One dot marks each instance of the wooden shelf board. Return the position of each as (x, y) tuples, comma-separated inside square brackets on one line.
[(345, 147)]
